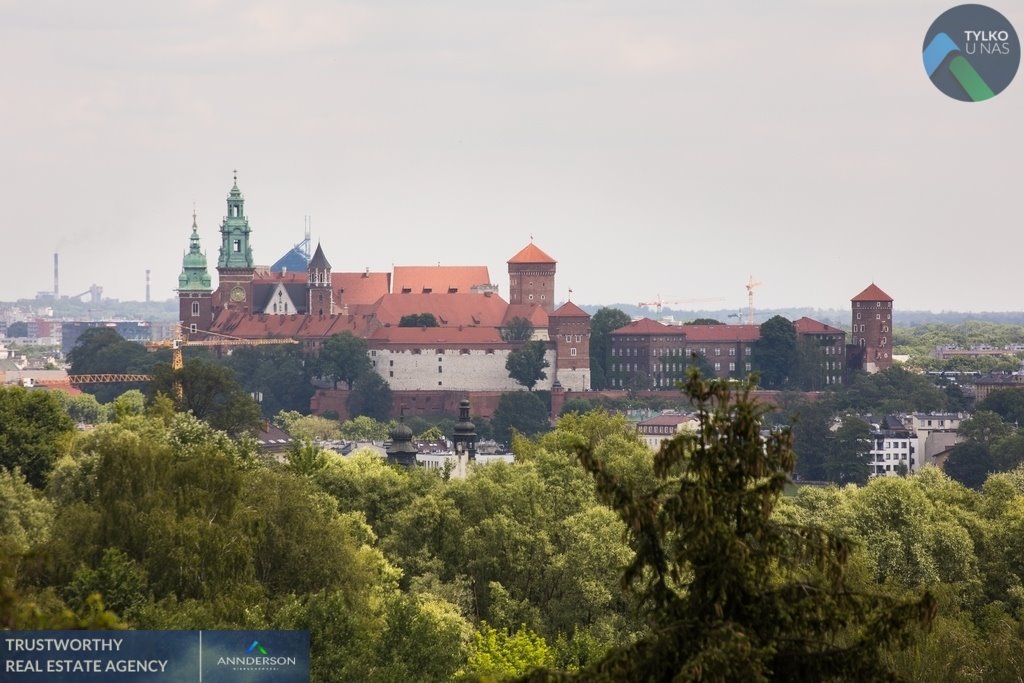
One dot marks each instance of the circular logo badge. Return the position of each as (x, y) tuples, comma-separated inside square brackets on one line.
[(971, 53)]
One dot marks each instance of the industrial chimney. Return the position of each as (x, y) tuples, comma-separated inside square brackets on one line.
[(147, 285), (56, 288)]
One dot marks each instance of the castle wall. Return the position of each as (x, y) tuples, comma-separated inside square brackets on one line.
[(453, 369)]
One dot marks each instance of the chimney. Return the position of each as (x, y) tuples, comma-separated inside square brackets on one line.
[(56, 289), (147, 285)]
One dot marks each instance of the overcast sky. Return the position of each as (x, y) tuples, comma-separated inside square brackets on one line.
[(653, 148)]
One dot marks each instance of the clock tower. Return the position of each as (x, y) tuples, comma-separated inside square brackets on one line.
[(235, 266)]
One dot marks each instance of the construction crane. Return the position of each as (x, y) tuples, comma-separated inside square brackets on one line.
[(659, 302), (222, 340), (177, 361), (751, 283)]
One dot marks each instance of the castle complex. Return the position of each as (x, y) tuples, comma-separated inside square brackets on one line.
[(467, 351)]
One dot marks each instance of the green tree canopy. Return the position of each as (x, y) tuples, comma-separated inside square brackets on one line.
[(418, 320), (601, 325), (279, 375), (370, 396), (102, 350), (521, 411), (526, 365), (343, 358), (848, 453), (34, 432), (210, 392), (1007, 404), (776, 353), (731, 592), (518, 329)]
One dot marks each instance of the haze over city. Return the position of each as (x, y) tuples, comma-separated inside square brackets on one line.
[(652, 148)]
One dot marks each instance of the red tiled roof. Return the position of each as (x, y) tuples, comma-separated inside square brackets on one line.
[(288, 326), (439, 279), (570, 310), (647, 326), (537, 316), (872, 293), (807, 325), (360, 288), (722, 333), (263, 276), (666, 420), (482, 310), (439, 336), (531, 253)]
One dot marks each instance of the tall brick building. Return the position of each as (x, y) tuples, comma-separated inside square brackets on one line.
[(871, 341)]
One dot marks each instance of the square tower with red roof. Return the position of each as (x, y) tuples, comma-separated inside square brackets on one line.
[(531, 278), (871, 340)]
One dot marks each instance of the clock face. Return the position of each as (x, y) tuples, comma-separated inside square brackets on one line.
[(238, 294)]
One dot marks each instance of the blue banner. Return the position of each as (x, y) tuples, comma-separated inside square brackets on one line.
[(157, 656)]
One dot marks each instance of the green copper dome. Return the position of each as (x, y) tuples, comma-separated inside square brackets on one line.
[(194, 276)]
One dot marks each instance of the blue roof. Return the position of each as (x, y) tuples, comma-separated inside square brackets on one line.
[(295, 261)]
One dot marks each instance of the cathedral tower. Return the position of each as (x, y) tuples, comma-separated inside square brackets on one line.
[(195, 291), (235, 265)]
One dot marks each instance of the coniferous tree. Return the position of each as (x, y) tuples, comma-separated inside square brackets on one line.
[(731, 593)]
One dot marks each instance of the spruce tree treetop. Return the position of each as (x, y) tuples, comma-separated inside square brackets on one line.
[(730, 592)]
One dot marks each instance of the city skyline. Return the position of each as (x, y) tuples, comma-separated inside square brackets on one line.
[(653, 150)]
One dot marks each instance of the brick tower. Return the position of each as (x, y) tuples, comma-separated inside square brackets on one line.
[(569, 329), (195, 291), (531, 278), (871, 341)]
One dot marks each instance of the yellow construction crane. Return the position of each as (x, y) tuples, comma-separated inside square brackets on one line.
[(177, 361), (659, 302), (751, 283), (222, 340)]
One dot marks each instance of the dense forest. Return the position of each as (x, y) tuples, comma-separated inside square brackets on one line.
[(589, 554)]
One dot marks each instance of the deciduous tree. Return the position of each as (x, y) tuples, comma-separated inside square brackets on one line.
[(370, 396), (526, 365), (776, 353), (34, 431), (343, 358), (601, 325), (521, 411)]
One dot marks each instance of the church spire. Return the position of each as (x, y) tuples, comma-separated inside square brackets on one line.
[(235, 249), (194, 275)]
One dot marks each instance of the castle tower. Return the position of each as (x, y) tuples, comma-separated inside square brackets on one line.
[(235, 265), (569, 329), (871, 341), (531, 278), (195, 290), (321, 294)]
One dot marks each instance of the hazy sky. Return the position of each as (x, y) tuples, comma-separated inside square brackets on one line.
[(671, 148)]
